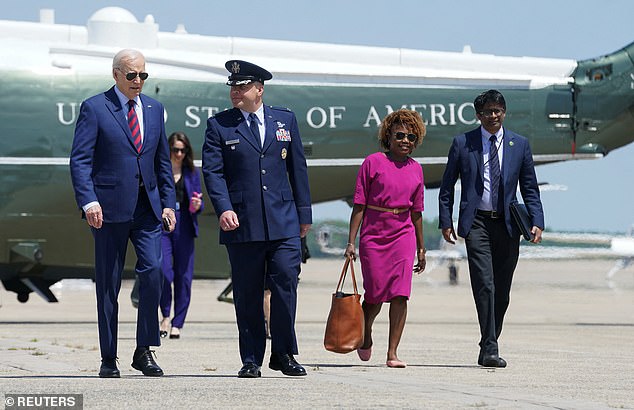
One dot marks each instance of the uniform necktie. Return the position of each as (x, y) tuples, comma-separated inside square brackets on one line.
[(255, 129), (135, 129), (494, 173)]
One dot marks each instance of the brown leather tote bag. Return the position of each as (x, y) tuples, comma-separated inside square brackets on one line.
[(345, 324)]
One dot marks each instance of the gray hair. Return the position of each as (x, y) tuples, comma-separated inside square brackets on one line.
[(125, 55)]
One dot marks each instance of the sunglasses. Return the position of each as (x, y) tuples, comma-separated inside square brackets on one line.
[(401, 136), (131, 76), (177, 150), (491, 113)]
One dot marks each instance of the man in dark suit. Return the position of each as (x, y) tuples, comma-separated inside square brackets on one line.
[(122, 176), (256, 176), (490, 161)]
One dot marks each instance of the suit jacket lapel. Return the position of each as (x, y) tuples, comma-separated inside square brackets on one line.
[(271, 127), (148, 110), (507, 153), (474, 139), (187, 182), (114, 105)]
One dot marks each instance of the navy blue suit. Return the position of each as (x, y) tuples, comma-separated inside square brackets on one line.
[(492, 245), (132, 189), (267, 187)]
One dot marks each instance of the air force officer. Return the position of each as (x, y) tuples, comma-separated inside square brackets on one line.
[(256, 176)]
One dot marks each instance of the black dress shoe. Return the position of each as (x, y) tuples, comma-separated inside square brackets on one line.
[(492, 361), (109, 369), (142, 360), (163, 334), (250, 371), (287, 364)]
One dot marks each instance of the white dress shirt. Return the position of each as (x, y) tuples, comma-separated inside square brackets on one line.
[(260, 114), (485, 203)]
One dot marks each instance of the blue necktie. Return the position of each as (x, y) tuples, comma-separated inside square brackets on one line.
[(255, 130), (494, 173), (135, 129)]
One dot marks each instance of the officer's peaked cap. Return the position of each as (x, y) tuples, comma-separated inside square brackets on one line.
[(243, 72)]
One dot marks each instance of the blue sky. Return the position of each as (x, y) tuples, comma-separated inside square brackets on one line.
[(599, 195)]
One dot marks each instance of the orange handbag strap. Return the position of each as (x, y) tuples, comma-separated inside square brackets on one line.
[(343, 276)]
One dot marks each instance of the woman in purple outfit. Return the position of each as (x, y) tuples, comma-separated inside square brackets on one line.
[(178, 246), (388, 199)]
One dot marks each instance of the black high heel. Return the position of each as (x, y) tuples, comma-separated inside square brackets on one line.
[(175, 335), (163, 333)]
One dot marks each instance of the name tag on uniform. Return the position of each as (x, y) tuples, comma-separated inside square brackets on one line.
[(232, 143), (283, 135)]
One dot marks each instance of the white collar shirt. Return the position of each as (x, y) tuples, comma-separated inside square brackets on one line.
[(261, 127), (138, 108), (485, 203)]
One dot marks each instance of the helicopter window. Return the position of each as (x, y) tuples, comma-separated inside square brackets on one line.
[(599, 73)]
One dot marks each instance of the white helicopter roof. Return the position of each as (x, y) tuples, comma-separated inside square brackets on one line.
[(67, 49)]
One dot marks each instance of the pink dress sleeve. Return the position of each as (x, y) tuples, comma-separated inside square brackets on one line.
[(362, 187), (418, 199)]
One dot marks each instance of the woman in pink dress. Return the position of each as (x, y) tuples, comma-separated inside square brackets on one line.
[(388, 205)]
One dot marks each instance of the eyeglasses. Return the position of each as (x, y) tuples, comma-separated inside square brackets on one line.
[(491, 113), (177, 150), (401, 136), (131, 76)]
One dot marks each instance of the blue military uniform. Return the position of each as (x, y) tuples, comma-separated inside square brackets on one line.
[(266, 185)]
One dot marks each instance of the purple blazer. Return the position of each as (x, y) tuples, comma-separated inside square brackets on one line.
[(191, 182)]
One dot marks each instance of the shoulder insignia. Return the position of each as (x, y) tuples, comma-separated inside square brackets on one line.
[(223, 113), (279, 108)]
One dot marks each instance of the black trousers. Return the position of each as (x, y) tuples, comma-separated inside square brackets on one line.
[(492, 256)]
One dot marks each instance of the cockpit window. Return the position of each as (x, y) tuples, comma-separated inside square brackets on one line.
[(599, 73)]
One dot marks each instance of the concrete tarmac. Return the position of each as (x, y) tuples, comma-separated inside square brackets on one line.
[(568, 339)]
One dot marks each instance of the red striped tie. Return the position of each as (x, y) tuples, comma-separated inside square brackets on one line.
[(133, 123)]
